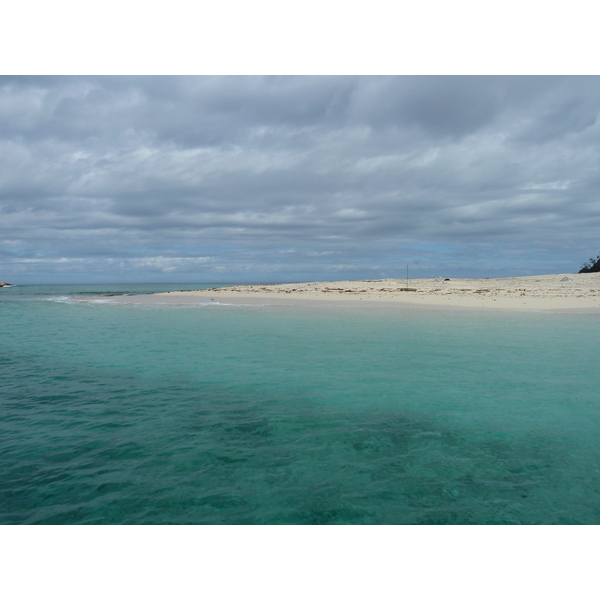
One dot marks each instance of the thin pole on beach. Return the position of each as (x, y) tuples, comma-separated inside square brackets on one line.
[(406, 275)]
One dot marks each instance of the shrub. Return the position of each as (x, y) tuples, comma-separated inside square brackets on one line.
[(591, 266)]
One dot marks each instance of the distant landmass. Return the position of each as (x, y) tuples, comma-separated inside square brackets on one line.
[(4, 284)]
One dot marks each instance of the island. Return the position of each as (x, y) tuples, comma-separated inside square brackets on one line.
[(576, 292)]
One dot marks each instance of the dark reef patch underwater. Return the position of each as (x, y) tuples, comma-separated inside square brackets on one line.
[(275, 415)]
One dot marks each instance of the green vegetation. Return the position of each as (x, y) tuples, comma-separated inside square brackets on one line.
[(591, 266)]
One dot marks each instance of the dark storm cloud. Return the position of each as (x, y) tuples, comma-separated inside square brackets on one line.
[(297, 177)]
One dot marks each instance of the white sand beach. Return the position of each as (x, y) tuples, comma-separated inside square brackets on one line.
[(563, 292)]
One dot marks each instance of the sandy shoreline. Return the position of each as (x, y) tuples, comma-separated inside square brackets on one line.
[(562, 292)]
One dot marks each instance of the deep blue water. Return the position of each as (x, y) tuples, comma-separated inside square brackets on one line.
[(216, 414)]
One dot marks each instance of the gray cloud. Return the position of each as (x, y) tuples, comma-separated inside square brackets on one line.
[(282, 178)]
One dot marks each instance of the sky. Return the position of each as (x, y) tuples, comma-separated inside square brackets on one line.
[(296, 178)]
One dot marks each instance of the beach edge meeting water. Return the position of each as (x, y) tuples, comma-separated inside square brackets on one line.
[(123, 404), (571, 292)]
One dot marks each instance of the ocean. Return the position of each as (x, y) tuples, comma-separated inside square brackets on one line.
[(337, 414)]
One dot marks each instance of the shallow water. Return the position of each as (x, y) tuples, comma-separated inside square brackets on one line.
[(279, 414)]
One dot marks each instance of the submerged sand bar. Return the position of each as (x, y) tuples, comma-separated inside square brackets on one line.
[(542, 292)]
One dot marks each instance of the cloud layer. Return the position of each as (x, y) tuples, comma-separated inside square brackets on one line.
[(296, 178)]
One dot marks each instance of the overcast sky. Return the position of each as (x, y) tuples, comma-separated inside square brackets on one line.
[(296, 178)]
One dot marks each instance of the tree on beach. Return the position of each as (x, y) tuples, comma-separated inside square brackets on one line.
[(591, 266)]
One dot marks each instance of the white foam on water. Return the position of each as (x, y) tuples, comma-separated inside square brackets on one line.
[(77, 300), (171, 304), (61, 299)]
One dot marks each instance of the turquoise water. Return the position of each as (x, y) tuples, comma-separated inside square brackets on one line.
[(216, 414)]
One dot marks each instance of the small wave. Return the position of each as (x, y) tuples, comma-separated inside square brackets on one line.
[(77, 300), (129, 302), (62, 299)]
